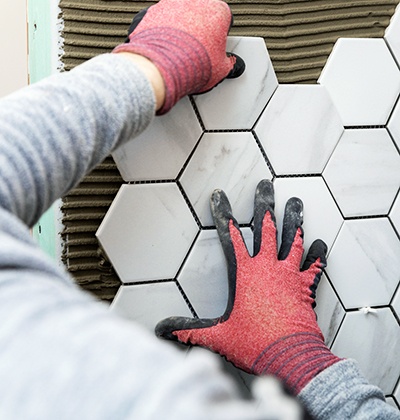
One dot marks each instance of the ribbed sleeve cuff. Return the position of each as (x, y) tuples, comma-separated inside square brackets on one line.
[(295, 359)]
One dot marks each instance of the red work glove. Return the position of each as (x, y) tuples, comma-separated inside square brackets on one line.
[(186, 40), (269, 326)]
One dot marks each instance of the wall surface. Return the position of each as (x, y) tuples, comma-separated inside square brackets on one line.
[(13, 46), (316, 114), (299, 35)]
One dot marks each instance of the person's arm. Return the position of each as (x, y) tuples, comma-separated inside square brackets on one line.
[(150, 70), (342, 392), (55, 131)]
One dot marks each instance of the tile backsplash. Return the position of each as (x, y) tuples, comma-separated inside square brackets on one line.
[(334, 145)]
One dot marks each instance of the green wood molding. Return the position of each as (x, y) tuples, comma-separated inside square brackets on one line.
[(40, 36)]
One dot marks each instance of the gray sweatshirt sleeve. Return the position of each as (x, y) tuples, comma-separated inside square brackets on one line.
[(342, 392), (50, 133), (63, 355)]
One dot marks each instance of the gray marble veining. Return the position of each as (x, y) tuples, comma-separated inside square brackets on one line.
[(299, 129), (229, 161), (204, 276)]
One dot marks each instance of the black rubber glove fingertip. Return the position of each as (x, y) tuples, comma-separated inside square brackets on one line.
[(165, 328), (239, 67)]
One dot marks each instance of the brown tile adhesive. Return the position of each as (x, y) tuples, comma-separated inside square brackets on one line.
[(299, 36)]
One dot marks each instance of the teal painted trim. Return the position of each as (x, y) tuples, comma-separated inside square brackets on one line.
[(40, 36), (39, 39), (46, 234)]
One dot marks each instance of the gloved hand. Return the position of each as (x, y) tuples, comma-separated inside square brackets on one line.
[(269, 326), (186, 40)]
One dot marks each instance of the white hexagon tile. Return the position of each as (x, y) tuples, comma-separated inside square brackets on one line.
[(162, 149), (322, 218), (147, 232), (396, 303), (364, 172), (364, 263), (329, 310), (204, 279), (335, 145), (236, 104), (393, 125), (369, 337), (299, 129), (363, 79), (394, 214), (148, 303), (232, 162), (392, 35), (397, 394)]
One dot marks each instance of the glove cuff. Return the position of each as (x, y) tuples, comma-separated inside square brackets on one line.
[(182, 61), (295, 359)]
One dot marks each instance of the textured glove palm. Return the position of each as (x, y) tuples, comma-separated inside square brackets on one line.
[(269, 325), (186, 40)]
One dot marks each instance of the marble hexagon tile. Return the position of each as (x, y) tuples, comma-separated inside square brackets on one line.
[(322, 219), (204, 276), (329, 310), (148, 303), (396, 304), (147, 232), (391, 401), (394, 124), (237, 103), (397, 394), (394, 214), (392, 34), (364, 263), (162, 149), (364, 172), (363, 79), (229, 161), (299, 129), (369, 337)]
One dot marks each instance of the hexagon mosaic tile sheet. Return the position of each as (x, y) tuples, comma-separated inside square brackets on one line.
[(335, 145)]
